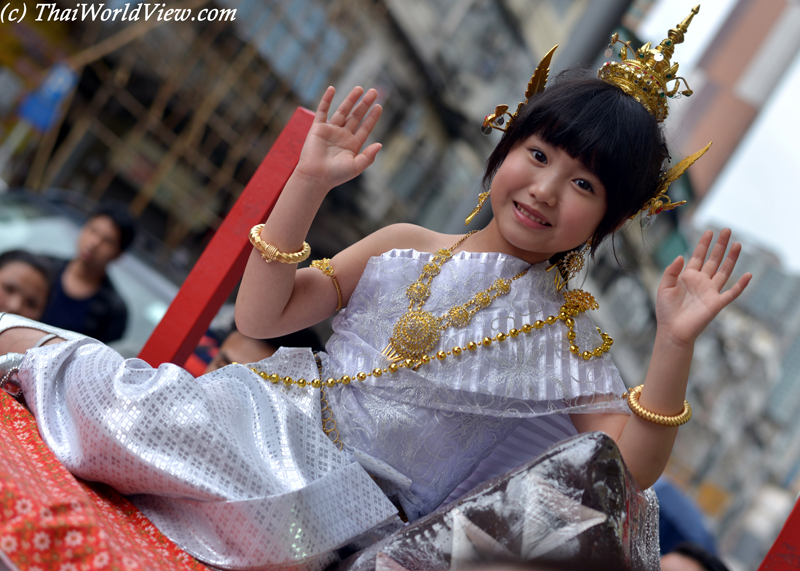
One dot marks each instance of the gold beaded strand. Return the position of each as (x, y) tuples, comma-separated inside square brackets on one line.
[(576, 302)]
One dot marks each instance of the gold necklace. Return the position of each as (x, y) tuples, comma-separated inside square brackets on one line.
[(575, 302), (418, 331)]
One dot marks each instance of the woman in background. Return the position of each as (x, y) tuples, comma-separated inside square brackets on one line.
[(24, 283)]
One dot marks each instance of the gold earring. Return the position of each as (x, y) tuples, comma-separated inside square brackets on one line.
[(481, 199), (569, 266)]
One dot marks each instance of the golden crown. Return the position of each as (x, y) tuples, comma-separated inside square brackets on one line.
[(645, 76)]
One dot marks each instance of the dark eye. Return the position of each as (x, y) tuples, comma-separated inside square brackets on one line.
[(539, 156), (585, 185)]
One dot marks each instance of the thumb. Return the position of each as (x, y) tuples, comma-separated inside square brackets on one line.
[(671, 274), (366, 158)]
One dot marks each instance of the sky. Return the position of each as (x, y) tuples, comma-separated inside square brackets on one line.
[(757, 193)]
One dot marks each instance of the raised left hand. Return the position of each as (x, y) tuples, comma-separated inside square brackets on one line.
[(688, 300)]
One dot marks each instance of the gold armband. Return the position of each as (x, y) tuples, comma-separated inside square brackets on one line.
[(632, 396), (325, 266), (270, 252)]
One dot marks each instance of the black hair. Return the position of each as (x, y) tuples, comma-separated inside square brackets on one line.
[(122, 218), (38, 263), (302, 338), (600, 125)]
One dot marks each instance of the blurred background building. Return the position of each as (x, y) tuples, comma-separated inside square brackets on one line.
[(175, 118)]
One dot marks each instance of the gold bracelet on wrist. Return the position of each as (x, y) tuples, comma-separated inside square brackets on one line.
[(325, 266), (270, 252), (632, 396)]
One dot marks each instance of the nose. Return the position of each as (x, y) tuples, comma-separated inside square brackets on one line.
[(545, 189), (14, 303)]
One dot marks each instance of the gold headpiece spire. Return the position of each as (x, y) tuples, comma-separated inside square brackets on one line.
[(648, 71)]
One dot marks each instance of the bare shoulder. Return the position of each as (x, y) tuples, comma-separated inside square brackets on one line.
[(406, 236), (350, 263)]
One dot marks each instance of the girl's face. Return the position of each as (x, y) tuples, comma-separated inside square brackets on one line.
[(23, 290), (544, 201)]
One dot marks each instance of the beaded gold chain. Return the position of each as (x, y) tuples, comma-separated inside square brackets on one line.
[(418, 331), (575, 302)]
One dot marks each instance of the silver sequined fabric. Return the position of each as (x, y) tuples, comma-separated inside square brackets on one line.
[(239, 473), (235, 471)]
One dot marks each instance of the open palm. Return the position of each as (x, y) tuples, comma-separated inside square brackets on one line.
[(332, 151), (687, 301)]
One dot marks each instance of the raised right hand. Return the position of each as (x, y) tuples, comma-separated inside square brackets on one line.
[(332, 152)]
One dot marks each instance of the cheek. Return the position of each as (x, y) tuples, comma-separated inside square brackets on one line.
[(109, 252), (585, 221)]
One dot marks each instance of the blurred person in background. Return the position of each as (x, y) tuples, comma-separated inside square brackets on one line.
[(24, 283), (238, 348), (83, 299), (691, 557), (686, 543)]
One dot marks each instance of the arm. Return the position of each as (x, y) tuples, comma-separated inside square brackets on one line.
[(686, 303), (275, 298)]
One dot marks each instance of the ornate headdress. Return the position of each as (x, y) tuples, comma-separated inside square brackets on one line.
[(644, 77)]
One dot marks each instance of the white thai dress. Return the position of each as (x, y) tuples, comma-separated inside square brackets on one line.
[(238, 472)]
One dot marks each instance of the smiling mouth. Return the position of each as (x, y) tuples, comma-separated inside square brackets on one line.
[(530, 216)]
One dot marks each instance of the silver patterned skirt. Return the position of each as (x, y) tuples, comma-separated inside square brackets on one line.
[(237, 472)]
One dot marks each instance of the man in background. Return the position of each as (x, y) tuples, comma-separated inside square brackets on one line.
[(82, 298)]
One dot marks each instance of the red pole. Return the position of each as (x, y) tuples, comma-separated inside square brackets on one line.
[(784, 555), (222, 263)]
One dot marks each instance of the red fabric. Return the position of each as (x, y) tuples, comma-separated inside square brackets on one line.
[(51, 520)]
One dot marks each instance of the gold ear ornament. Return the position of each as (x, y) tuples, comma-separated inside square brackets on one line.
[(497, 120), (481, 199), (660, 202), (569, 266)]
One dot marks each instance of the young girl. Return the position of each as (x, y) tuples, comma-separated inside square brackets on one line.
[(447, 349)]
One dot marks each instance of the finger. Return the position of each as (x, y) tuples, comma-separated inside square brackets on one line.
[(366, 158), (714, 260), (737, 289), (360, 110), (699, 254), (368, 124), (726, 269), (672, 273), (340, 116), (324, 105)]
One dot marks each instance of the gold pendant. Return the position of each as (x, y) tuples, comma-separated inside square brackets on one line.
[(414, 335)]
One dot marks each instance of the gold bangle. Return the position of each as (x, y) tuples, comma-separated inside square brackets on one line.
[(632, 397), (325, 266), (270, 252)]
